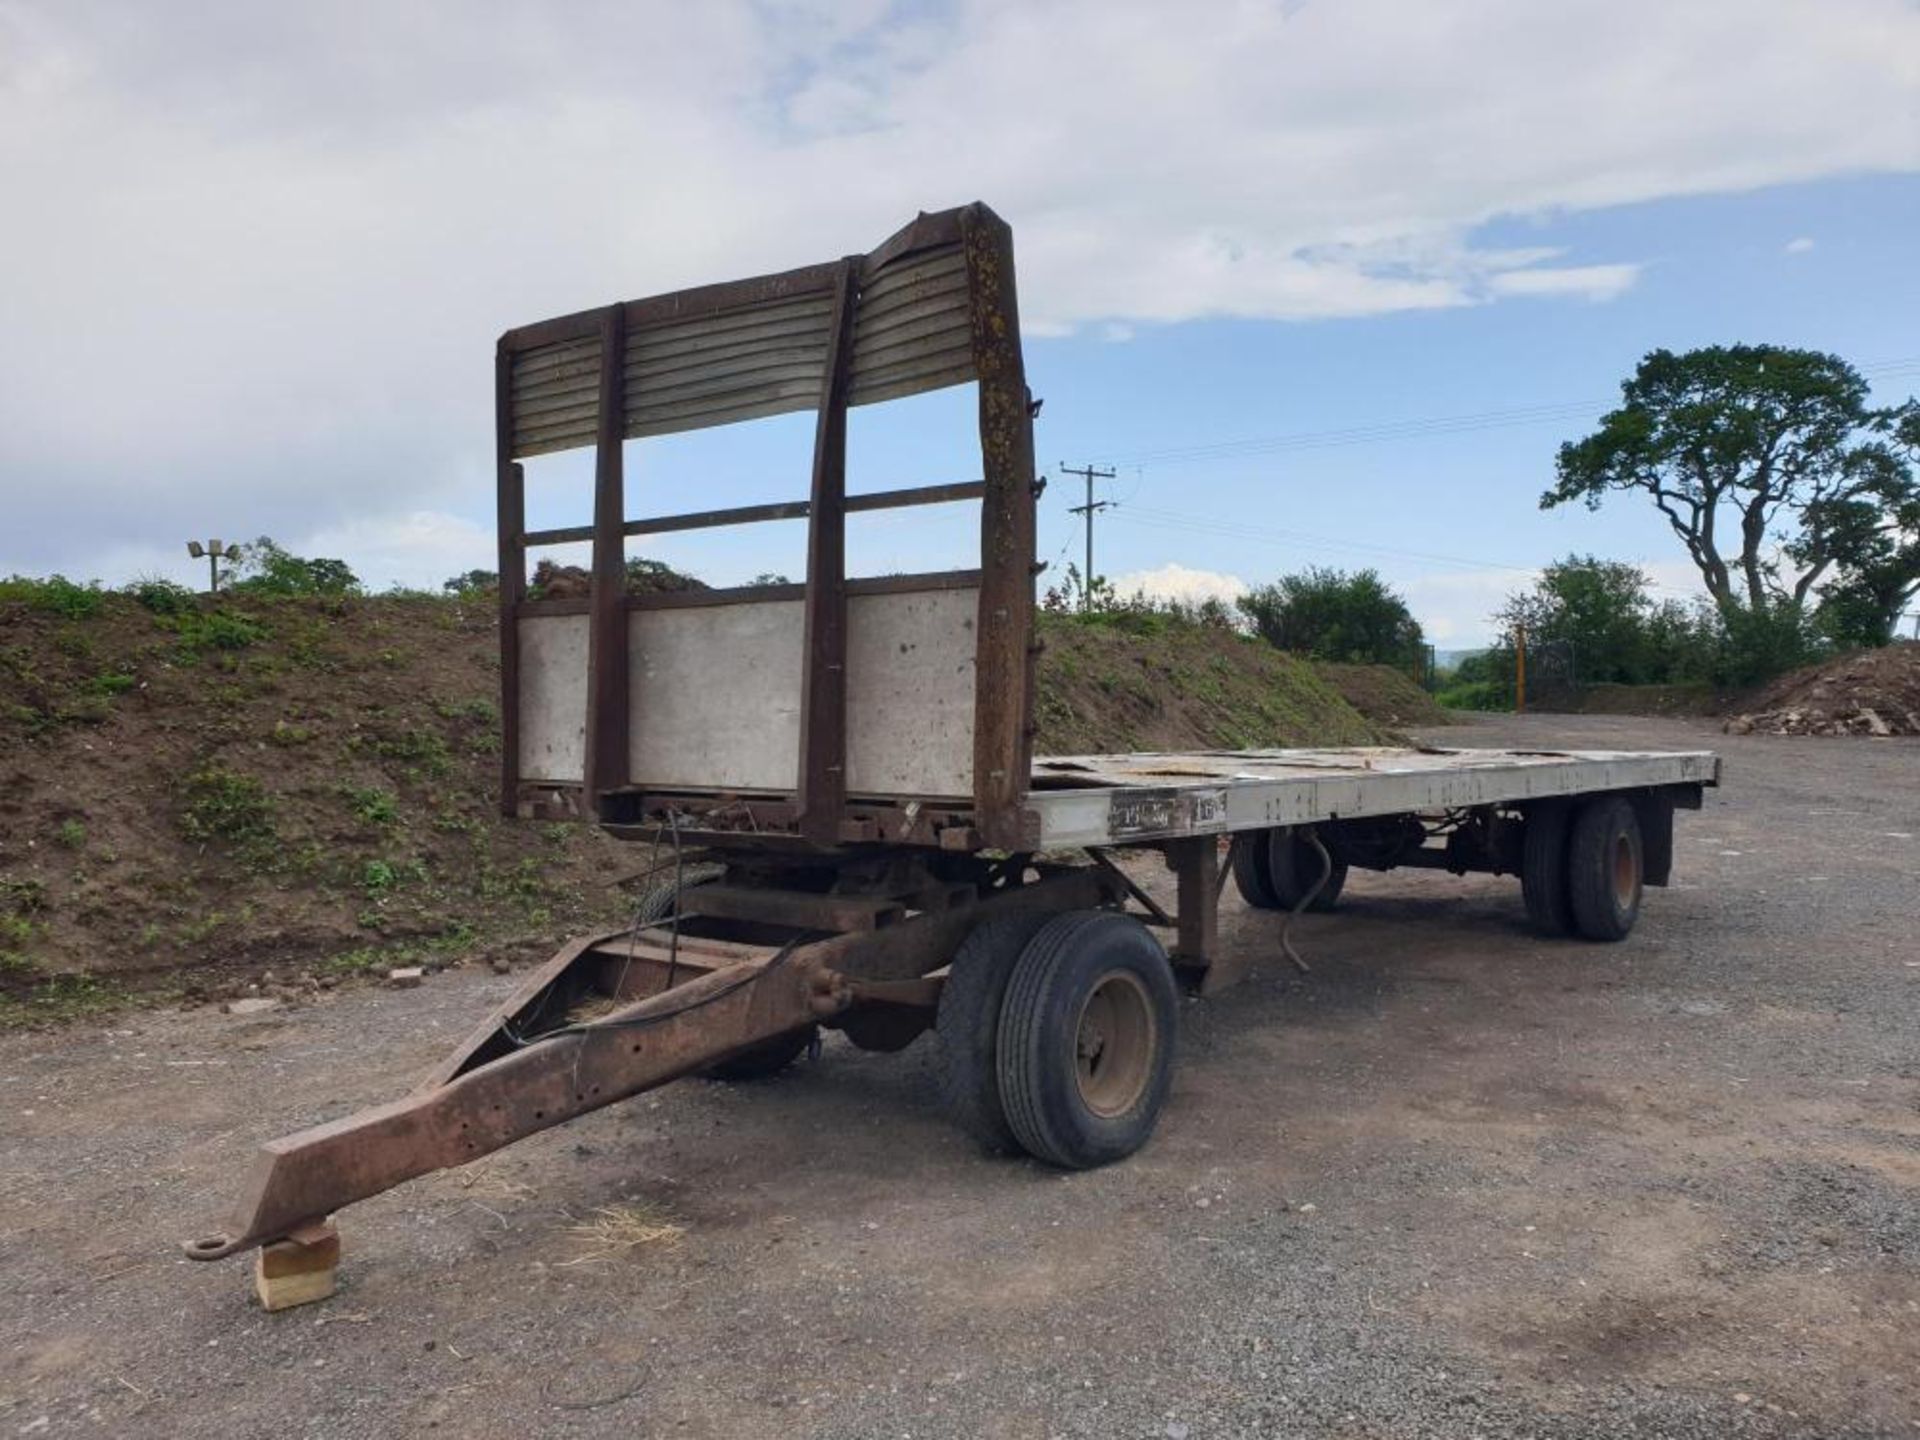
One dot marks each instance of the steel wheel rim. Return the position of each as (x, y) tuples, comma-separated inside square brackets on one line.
[(1114, 1044), (1626, 874)]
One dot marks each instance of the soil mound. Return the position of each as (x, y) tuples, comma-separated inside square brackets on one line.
[(203, 798), (1384, 695), (1116, 683), (1873, 692)]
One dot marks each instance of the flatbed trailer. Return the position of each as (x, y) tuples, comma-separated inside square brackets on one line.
[(835, 785)]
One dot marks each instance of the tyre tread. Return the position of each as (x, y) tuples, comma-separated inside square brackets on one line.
[(967, 1026), (1543, 868), (1032, 992), (1590, 868)]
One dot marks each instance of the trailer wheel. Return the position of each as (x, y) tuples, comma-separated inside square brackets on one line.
[(1086, 1039), (967, 1025), (1605, 868), (764, 1060), (1249, 860), (1543, 868), (1294, 867)]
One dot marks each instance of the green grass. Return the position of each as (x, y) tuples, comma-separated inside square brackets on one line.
[(55, 595), (61, 998), (481, 712), (20, 898), (225, 805), (372, 805), (451, 943), (423, 752), (114, 682), (200, 632)]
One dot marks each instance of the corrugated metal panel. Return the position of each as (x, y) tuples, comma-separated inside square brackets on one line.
[(556, 396), (914, 331), (735, 365)]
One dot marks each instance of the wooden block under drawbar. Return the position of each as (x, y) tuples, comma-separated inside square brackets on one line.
[(298, 1270)]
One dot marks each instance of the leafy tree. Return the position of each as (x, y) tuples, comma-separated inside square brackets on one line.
[(1601, 609), (1770, 466), (473, 582), (1332, 615), (649, 577), (1075, 595), (267, 568), (1880, 537), (1482, 680)]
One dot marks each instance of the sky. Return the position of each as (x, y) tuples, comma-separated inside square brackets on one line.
[(1325, 282)]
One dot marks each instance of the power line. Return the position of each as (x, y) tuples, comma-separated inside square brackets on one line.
[(1423, 427), (1089, 474), (1301, 539), (1366, 434), (1382, 431)]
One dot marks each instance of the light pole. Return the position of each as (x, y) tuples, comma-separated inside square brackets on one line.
[(214, 550)]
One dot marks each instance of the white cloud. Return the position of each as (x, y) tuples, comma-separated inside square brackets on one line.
[(1180, 582), (1589, 282), (1454, 607), (420, 549), (1799, 245), (256, 255)]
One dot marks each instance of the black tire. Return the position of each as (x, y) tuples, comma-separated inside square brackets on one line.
[(764, 1060), (1248, 856), (1606, 865), (1087, 1032), (967, 1025), (1543, 867), (1294, 867)]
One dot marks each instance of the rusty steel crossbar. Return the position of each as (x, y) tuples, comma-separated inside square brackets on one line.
[(756, 514)]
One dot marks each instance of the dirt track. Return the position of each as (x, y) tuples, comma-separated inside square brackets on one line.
[(1457, 1181)]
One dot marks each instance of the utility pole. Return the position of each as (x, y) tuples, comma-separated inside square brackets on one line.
[(1089, 474)]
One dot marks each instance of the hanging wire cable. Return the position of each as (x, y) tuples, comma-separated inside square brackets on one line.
[(1306, 540), (1422, 427)]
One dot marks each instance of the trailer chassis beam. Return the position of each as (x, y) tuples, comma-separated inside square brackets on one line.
[(504, 1083)]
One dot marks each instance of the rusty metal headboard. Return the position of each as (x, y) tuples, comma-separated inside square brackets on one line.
[(933, 306)]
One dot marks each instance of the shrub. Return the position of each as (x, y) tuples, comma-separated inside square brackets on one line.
[(267, 568), (1331, 615), (200, 631), (474, 582), (161, 596), (55, 594)]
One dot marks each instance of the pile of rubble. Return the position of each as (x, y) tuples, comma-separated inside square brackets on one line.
[(1875, 692)]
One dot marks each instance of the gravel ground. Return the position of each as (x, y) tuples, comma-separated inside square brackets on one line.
[(1457, 1181)]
